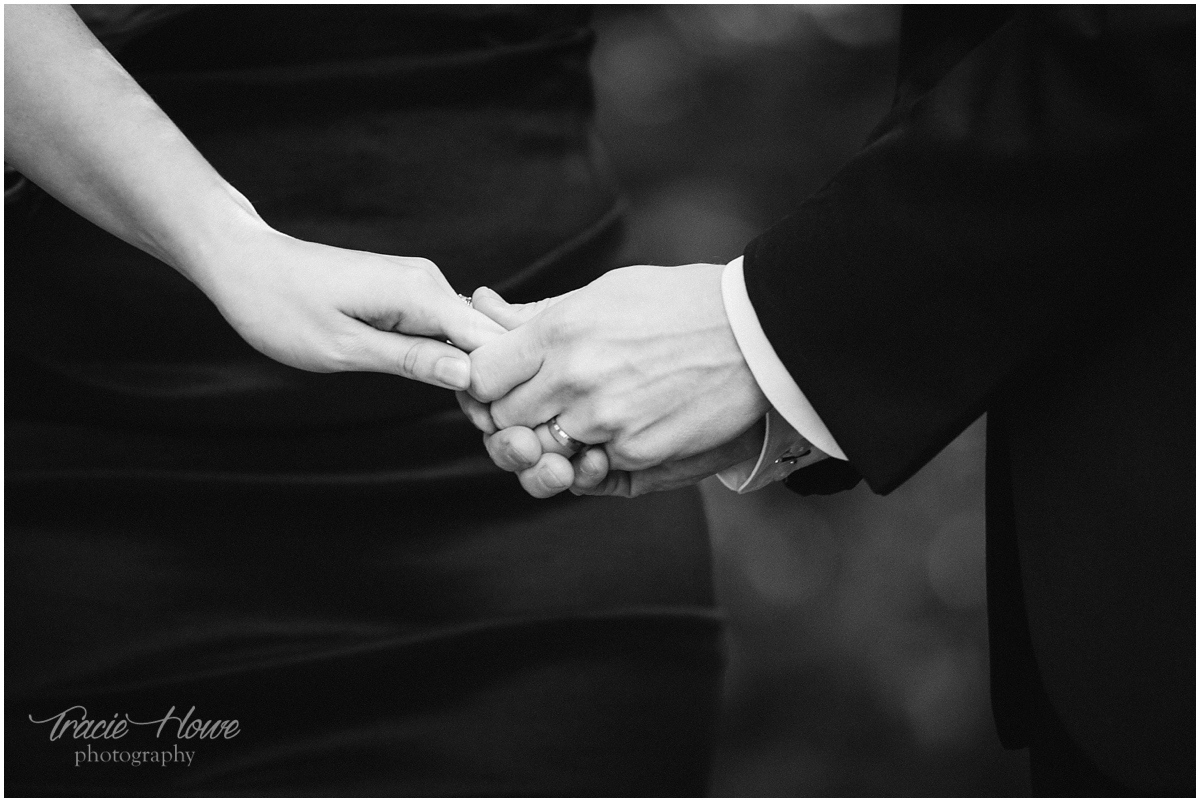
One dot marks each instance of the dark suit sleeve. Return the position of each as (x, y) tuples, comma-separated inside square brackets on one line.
[(1005, 209)]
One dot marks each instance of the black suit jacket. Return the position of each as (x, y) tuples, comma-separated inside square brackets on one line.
[(1018, 238)]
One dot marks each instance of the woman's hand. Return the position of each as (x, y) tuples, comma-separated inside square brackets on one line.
[(80, 127), (326, 309)]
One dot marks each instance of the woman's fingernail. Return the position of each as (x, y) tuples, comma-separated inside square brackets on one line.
[(453, 371)]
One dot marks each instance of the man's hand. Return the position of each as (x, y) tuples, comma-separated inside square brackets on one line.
[(677, 474), (544, 468), (642, 360), (543, 465)]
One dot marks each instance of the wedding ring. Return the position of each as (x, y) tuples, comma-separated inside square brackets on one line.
[(565, 440), (468, 300)]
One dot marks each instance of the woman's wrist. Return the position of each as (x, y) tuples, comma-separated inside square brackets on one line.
[(206, 244), (79, 126)]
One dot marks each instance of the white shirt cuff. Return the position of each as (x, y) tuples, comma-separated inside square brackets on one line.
[(783, 450), (768, 370)]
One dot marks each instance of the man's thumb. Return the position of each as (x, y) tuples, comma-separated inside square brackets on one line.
[(508, 315), (502, 364)]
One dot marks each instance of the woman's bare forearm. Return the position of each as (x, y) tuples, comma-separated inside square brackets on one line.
[(81, 128)]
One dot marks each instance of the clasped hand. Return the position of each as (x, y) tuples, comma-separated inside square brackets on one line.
[(325, 309), (641, 365)]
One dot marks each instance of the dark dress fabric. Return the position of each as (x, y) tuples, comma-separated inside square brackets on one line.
[(1018, 237), (330, 559)]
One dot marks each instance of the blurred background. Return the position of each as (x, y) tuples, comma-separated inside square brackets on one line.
[(857, 623)]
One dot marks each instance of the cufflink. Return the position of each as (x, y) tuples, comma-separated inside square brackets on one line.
[(792, 459)]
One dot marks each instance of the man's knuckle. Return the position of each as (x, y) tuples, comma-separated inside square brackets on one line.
[(631, 455), (551, 327), (556, 327), (500, 415), (573, 375), (606, 415)]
